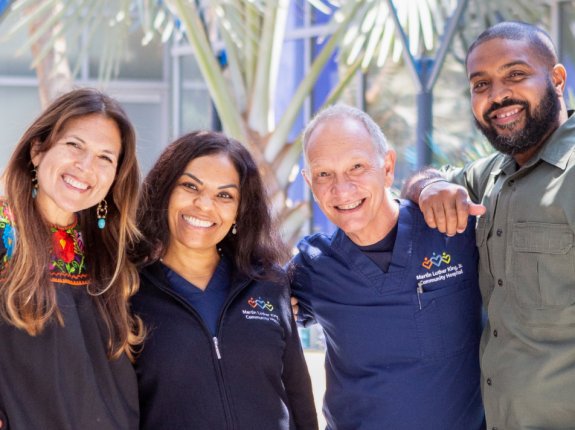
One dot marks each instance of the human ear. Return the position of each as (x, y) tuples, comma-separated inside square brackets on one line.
[(389, 165), (35, 154), (559, 78)]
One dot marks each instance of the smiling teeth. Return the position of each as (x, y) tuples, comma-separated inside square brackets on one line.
[(195, 222), (505, 115), (76, 184), (350, 206)]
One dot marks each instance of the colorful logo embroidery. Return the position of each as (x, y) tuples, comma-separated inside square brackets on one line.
[(260, 303), (436, 260)]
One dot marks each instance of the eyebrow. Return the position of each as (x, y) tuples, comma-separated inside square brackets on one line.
[(107, 151), (228, 186), (195, 178), (504, 67)]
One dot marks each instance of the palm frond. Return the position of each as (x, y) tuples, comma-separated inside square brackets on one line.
[(371, 35)]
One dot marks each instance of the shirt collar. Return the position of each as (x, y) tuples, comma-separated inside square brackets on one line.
[(559, 147), (556, 151)]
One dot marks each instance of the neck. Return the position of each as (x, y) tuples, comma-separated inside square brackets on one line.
[(195, 266), (389, 217), (52, 213)]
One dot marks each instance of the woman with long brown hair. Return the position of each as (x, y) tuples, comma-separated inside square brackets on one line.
[(223, 350), (66, 333)]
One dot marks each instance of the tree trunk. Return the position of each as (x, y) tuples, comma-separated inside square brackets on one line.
[(53, 70)]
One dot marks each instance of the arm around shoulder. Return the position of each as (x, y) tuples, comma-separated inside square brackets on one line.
[(445, 206)]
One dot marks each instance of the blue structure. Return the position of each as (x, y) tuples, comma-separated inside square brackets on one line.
[(4, 6)]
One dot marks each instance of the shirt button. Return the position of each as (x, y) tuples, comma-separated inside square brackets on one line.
[(499, 232), (488, 381), (500, 282), (494, 333)]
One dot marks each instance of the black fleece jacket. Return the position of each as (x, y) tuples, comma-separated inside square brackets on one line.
[(251, 376)]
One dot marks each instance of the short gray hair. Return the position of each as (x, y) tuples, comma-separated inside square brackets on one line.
[(346, 111)]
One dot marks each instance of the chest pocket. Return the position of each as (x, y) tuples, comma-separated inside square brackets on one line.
[(449, 321), (543, 265)]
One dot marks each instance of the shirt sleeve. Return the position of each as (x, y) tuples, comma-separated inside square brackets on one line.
[(474, 176), (301, 290)]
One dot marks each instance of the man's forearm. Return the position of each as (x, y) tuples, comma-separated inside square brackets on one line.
[(414, 185)]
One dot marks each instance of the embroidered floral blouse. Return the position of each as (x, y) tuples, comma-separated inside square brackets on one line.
[(67, 264), (75, 384)]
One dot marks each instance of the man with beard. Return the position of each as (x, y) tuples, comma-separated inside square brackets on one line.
[(525, 234)]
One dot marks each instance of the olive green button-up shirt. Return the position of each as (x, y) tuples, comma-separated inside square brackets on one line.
[(527, 279)]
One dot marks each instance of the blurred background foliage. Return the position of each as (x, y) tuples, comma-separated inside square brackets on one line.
[(239, 49)]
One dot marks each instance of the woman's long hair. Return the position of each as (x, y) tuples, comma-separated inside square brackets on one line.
[(254, 247), (27, 296)]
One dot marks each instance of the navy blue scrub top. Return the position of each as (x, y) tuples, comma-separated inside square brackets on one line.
[(207, 303), (402, 345)]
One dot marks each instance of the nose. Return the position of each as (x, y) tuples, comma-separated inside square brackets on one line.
[(499, 92), (85, 162), (342, 186), (203, 202)]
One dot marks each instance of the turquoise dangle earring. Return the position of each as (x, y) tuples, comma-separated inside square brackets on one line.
[(34, 182), (101, 212)]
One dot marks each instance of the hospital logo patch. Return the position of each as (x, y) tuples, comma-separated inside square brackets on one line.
[(260, 303), (439, 267), (436, 260), (260, 309)]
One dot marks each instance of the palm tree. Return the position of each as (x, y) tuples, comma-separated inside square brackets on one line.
[(251, 32), (423, 34)]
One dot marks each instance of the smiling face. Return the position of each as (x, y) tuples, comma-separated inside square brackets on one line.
[(203, 205), (79, 168), (515, 95), (350, 179)]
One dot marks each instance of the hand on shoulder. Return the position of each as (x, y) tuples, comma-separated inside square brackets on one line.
[(446, 207)]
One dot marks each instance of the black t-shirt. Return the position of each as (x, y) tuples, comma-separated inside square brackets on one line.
[(381, 252)]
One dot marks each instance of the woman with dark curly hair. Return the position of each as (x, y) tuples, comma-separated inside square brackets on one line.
[(223, 350), (69, 214)]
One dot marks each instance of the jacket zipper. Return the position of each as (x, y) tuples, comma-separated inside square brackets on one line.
[(227, 304), (215, 341), (217, 348)]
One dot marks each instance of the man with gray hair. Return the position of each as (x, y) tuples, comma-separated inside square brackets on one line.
[(398, 301)]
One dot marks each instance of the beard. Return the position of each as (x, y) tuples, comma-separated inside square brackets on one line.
[(538, 124)]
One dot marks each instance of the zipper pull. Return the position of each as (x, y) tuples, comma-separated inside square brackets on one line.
[(216, 345), (419, 292)]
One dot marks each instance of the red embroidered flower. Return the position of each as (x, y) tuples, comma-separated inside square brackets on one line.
[(63, 246)]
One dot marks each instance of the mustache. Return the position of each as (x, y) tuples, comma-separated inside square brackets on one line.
[(504, 103)]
